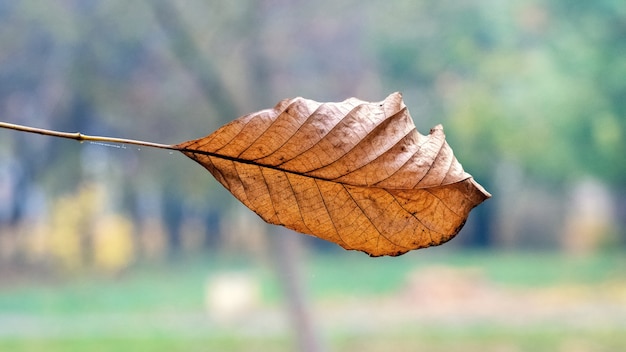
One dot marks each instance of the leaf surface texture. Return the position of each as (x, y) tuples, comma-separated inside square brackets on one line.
[(356, 173)]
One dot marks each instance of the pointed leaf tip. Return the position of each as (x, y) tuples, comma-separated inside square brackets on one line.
[(355, 173)]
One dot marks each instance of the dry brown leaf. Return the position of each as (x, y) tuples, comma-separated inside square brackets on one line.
[(354, 173)]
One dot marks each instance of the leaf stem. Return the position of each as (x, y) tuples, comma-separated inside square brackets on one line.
[(83, 137)]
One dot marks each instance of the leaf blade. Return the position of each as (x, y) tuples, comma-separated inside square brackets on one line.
[(354, 173)]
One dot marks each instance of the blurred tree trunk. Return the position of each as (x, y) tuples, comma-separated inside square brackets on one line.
[(187, 52), (283, 248), (620, 215), (288, 250)]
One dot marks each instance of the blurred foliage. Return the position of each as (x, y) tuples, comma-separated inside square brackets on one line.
[(538, 85), (113, 243), (531, 81), (83, 234)]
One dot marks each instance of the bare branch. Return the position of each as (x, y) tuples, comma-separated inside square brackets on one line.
[(82, 137)]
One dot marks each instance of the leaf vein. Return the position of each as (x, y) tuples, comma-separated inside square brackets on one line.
[(380, 233), (330, 216)]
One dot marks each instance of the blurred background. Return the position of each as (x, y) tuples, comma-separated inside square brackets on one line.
[(108, 247)]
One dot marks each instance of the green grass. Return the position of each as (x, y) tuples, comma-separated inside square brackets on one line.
[(434, 338), (175, 286), (349, 274), (165, 344), (160, 307), (483, 338)]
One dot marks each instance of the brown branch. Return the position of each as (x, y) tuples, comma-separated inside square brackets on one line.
[(83, 137)]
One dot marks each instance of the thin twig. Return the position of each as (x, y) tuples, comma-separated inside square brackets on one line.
[(83, 137)]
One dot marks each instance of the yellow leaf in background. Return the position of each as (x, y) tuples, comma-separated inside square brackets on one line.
[(113, 246)]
